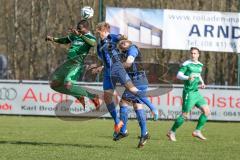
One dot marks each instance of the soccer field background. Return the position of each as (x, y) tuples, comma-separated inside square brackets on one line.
[(25, 138)]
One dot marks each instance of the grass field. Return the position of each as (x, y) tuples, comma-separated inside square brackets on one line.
[(41, 138)]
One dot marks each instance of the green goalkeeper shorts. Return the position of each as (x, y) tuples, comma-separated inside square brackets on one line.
[(69, 71), (191, 99)]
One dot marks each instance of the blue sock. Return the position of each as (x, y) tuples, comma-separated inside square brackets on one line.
[(141, 94), (149, 104), (112, 110), (124, 118), (142, 121)]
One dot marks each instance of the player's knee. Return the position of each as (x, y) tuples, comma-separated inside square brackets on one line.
[(124, 102), (107, 99), (206, 111), (185, 115), (131, 87), (136, 107), (121, 103)]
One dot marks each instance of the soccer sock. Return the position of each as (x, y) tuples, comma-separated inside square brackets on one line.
[(142, 96), (112, 110), (149, 104), (78, 91), (178, 122), (75, 91), (124, 118), (142, 121), (61, 89), (201, 121)]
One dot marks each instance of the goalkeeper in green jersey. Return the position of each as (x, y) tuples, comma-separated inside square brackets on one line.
[(64, 78), (190, 73)]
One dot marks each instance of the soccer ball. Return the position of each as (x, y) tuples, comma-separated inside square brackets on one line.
[(87, 12)]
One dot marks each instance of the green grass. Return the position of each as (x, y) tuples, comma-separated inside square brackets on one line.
[(41, 138)]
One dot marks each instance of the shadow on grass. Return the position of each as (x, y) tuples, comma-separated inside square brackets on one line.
[(129, 137), (54, 144)]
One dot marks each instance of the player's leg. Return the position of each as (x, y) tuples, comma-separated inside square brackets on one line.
[(57, 79), (141, 82), (203, 117), (108, 98), (70, 83), (124, 105), (202, 105), (75, 89), (141, 94), (64, 77), (141, 117), (122, 76), (76, 78), (127, 99), (109, 87), (178, 123), (188, 103)]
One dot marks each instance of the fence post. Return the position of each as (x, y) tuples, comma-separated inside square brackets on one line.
[(100, 10)]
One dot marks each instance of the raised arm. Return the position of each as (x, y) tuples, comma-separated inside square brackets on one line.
[(89, 39), (62, 40)]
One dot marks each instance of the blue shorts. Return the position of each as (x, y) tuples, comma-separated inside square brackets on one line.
[(117, 75), (141, 82)]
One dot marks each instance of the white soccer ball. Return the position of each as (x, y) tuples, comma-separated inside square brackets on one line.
[(87, 12)]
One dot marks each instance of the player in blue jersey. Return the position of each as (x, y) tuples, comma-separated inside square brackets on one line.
[(114, 71), (131, 57)]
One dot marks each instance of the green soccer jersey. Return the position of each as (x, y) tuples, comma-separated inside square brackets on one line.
[(80, 45), (190, 68)]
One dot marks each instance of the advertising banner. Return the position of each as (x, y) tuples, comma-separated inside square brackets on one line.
[(177, 29), (40, 99)]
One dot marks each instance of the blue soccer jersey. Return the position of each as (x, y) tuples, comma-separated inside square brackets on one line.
[(113, 72), (104, 51)]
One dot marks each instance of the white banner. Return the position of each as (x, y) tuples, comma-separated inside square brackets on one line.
[(39, 99), (177, 29)]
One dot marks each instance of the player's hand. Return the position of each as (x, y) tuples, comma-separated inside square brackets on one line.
[(49, 38), (203, 86), (191, 78), (70, 29), (75, 31)]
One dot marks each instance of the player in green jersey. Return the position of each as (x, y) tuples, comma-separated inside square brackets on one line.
[(190, 73), (64, 78)]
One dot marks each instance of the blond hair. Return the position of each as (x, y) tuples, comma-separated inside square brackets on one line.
[(103, 26)]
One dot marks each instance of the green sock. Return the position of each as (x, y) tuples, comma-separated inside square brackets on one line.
[(61, 89), (75, 91), (201, 121), (78, 91), (178, 122)]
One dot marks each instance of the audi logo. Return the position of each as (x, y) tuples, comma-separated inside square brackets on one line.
[(8, 93)]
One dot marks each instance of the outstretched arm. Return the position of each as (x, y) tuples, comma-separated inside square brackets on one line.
[(89, 40), (62, 40)]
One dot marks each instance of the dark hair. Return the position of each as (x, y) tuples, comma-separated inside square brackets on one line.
[(84, 23), (195, 48)]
